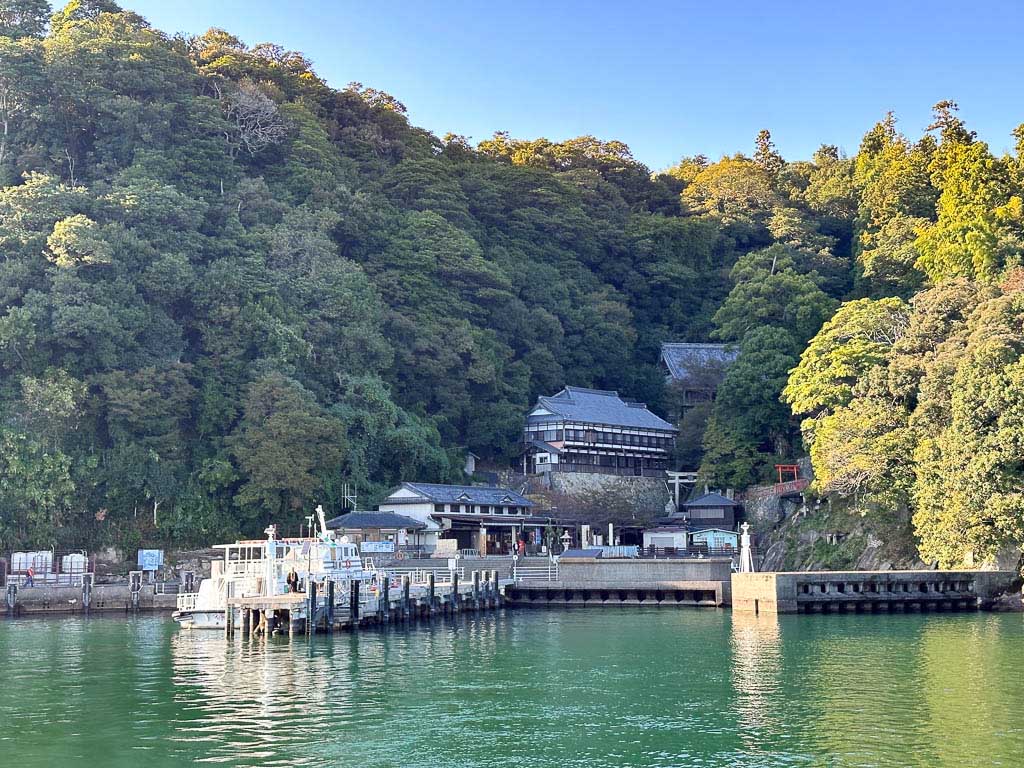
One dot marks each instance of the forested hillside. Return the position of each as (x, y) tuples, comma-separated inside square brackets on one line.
[(228, 288)]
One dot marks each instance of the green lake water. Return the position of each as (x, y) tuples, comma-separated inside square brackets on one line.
[(586, 688)]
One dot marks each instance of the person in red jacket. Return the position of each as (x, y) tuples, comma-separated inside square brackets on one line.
[(30, 577)]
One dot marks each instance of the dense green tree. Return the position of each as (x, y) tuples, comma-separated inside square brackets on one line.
[(978, 230), (782, 299), (969, 474), (857, 338), (22, 85), (285, 445), (23, 18)]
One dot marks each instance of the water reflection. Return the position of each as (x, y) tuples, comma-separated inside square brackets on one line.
[(756, 642), (756, 667), (969, 662), (260, 701), (278, 701), (576, 689)]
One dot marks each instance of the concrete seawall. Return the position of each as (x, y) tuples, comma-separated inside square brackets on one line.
[(585, 581), (104, 597), (825, 591)]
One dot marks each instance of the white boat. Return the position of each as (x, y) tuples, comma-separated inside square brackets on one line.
[(260, 568), (203, 609)]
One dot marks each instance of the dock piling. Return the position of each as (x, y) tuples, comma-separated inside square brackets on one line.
[(12, 598), (431, 604), (134, 589), (330, 606), (406, 606), (311, 608), (86, 592)]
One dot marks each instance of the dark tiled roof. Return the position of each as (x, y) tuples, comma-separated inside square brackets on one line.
[(599, 406), (693, 361), (364, 520), (462, 494), (712, 500)]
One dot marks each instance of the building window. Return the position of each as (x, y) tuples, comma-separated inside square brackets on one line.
[(439, 507)]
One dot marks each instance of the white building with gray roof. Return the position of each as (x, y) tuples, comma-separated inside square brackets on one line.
[(483, 519), (595, 431)]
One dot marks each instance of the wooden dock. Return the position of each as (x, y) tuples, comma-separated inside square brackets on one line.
[(320, 609)]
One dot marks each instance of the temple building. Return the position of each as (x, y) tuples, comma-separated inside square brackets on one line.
[(695, 370), (595, 431)]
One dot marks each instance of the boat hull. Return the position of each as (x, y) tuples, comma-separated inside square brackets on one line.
[(200, 619)]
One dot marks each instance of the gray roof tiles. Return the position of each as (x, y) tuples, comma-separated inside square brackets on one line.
[(712, 500), (463, 494), (599, 406), (686, 360), (363, 520)]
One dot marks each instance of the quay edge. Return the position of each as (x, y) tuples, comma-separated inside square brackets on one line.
[(592, 581), (871, 591)]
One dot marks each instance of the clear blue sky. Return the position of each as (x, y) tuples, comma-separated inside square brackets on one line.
[(668, 78)]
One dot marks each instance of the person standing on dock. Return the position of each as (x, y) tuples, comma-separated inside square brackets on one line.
[(30, 577), (292, 580)]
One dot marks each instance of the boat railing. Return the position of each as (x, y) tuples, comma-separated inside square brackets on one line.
[(422, 575), (187, 601)]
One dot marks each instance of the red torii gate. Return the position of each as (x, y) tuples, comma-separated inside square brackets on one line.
[(788, 469)]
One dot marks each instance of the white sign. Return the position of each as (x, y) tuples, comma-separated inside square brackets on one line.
[(377, 546), (446, 548)]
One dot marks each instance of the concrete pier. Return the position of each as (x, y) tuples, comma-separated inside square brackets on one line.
[(869, 591)]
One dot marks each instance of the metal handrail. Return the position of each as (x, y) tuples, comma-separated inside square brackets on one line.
[(547, 572)]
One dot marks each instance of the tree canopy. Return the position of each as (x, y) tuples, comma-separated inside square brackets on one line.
[(230, 288)]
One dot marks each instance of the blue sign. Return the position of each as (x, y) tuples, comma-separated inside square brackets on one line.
[(377, 546), (151, 559)]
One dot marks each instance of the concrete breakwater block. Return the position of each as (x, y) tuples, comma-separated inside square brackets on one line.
[(840, 591)]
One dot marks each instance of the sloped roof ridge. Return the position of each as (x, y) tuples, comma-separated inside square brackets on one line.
[(589, 391), (695, 344)]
